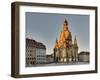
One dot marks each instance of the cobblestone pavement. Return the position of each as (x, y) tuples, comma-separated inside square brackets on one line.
[(61, 64)]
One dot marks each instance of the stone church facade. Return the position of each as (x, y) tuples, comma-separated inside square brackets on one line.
[(65, 49)]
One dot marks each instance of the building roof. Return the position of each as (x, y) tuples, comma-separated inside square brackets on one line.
[(34, 43), (84, 53)]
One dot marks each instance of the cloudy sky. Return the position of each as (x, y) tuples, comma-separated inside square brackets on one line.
[(45, 28)]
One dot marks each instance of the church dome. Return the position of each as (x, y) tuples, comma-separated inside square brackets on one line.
[(64, 35)]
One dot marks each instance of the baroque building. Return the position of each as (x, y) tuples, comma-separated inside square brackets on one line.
[(65, 50), (35, 53)]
